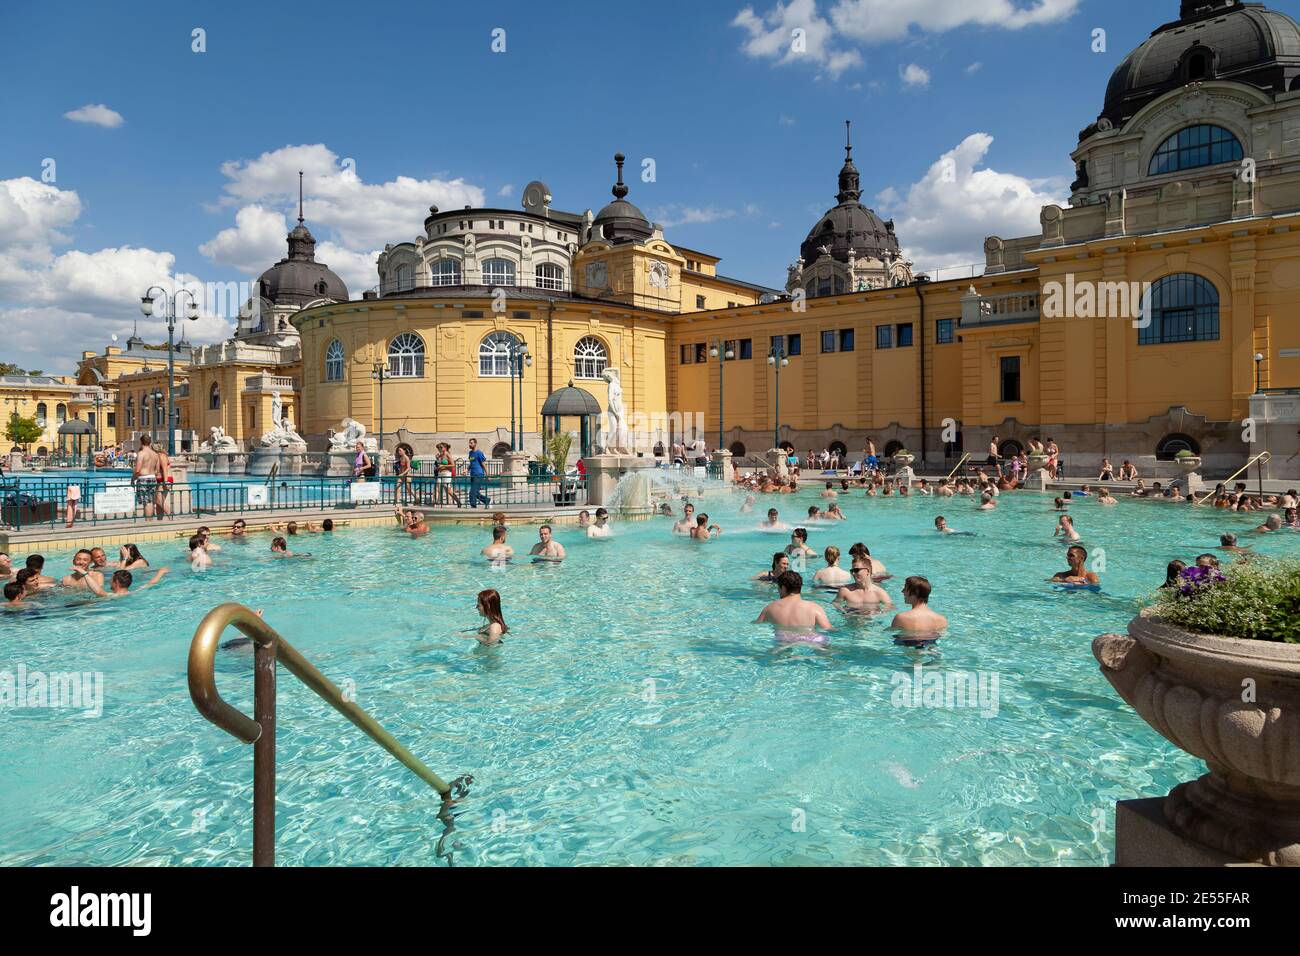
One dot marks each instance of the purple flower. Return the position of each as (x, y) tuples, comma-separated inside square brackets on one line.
[(1196, 579)]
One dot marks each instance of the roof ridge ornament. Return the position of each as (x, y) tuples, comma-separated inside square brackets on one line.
[(620, 190), (300, 197)]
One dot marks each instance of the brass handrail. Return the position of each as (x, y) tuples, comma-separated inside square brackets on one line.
[(1264, 457), (270, 648), (964, 459)]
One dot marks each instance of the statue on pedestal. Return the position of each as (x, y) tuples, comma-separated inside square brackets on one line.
[(219, 441), (353, 432)]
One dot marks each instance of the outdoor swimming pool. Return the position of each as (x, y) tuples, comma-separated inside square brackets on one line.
[(634, 714)]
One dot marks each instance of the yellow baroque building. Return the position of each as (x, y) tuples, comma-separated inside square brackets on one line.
[(1155, 312)]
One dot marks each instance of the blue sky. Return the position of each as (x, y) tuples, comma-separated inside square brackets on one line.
[(198, 177)]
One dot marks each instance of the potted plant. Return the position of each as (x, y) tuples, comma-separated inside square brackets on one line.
[(1214, 667), (903, 458), (557, 458), (1188, 461)]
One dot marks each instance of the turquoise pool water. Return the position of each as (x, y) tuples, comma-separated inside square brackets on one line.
[(634, 715)]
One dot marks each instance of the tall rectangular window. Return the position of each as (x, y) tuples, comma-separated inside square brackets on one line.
[(828, 341), (846, 340), (701, 353), (904, 335), (796, 344), (1010, 378), (688, 352), (746, 349), (699, 302), (884, 336), (778, 343), (943, 333)]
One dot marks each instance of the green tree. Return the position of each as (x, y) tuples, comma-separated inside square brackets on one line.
[(23, 431), (9, 368)]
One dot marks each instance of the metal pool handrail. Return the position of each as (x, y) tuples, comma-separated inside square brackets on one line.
[(270, 647), (964, 459), (1264, 457)]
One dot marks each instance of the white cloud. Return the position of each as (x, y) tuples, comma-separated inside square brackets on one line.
[(358, 270), (32, 215), (253, 244), (97, 115), (786, 120), (361, 215), (794, 32), (830, 38), (914, 76), (943, 219), (679, 215), (505, 192), (974, 68)]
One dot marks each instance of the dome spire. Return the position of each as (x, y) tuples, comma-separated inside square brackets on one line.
[(300, 197), (302, 244), (850, 186), (620, 190)]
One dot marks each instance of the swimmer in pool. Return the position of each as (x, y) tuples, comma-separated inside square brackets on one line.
[(703, 531), (1228, 542), (584, 519), (601, 528), (1065, 529), (780, 563), (833, 513), (864, 592), (1077, 574), (120, 585), (773, 522), (793, 618), (919, 619), (82, 576), (130, 559), (748, 506), (832, 576), (547, 548), (489, 608), (941, 525), (799, 544), (498, 552), (198, 557), (830, 493), (280, 549), (1104, 497), (986, 502), (860, 551), (239, 529), (38, 581), (415, 525), (814, 513), (687, 523), (6, 567), (99, 559), (15, 594)]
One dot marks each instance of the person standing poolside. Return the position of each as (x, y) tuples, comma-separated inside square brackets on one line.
[(832, 576), (688, 520), (477, 475), (919, 619), (1077, 574), (601, 528), (405, 472), (445, 471), (864, 592), (498, 552), (489, 608), (995, 457), (361, 464), (146, 473), (72, 500), (547, 548), (793, 618)]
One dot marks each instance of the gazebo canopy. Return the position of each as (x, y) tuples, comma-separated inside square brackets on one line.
[(75, 426), (570, 402)]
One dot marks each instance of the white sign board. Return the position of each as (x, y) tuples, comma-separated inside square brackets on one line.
[(365, 492), (115, 500), (258, 496), (701, 472)]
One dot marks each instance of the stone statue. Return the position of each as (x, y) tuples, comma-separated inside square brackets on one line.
[(353, 432), (219, 441), (616, 437), (277, 408)]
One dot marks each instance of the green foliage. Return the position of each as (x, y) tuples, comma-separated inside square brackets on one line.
[(9, 368), (1185, 454), (557, 451), (23, 431), (1259, 600)]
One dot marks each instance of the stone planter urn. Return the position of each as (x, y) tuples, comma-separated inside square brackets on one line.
[(1233, 703), (904, 460), (1188, 463), (1038, 462)]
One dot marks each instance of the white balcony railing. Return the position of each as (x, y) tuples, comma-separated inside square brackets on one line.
[(271, 383)]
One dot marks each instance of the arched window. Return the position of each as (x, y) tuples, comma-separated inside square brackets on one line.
[(550, 276), (406, 356), (445, 272), (402, 279), (494, 355), (589, 358), (500, 448), (214, 397), (159, 412), (42, 413), (130, 411), (334, 362), (60, 413), (838, 449), (738, 449), (1171, 445), (498, 272), (1184, 308), (1194, 147), (1010, 448), (892, 448)]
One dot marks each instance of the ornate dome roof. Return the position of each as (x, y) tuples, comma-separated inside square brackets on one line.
[(570, 402), (300, 279), (850, 225), (621, 221), (1212, 39)]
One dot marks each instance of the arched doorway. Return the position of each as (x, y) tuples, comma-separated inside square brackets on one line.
[(1171, 445), (737, 449)]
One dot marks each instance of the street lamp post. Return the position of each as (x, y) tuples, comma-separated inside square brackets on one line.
[(155, 399), (778, 359), (191, 313), (1259, 364), (380, 374), (519, 358), (720, 350)]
